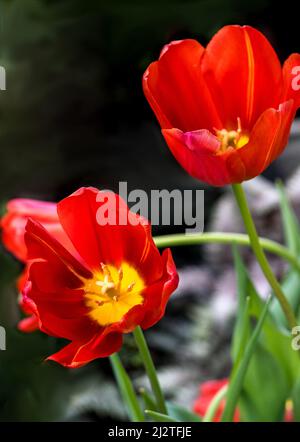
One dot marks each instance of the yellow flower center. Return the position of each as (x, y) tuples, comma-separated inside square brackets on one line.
[(112, 292), (232, 138)]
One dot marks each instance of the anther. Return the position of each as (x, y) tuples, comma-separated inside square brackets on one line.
[(120, 273), (130, 287)]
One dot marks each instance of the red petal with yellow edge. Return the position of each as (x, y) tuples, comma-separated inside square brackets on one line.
[(243, 74), (176, 90), (79, 215), (291, 80)]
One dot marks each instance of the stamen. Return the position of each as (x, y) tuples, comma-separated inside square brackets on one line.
[(112, 292), (120, 272), (130, 287), (106, 270), (232, 138), (106, 284)]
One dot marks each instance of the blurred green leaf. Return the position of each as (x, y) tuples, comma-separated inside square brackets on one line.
[(181, 414), (265, 389), (237, 378), (296, 401), (290, 223), (274, 367), (242, 323), (149, 401), (291, 282), (159, 417)]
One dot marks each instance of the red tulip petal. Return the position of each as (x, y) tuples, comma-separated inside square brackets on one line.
[(197, 153), (207, 392), (28, 325), (243, 74), (50, 319), (267, 140), (53, 294), (77, 354), (14, 221), (21, 281), (176, 90), (158, 294), (109, 243), (43, 210), (291, 80), (42, 245)]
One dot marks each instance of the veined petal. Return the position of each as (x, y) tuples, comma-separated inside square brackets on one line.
[(54, 294), (42, 245), (79, 353), (267, 140), (176, 91), (243, 74), (80, 215)]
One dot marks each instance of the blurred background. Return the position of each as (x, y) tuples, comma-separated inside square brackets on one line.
[(74, 115)]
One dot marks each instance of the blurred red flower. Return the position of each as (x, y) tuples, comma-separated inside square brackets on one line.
[(207, 392), (13, 223), (117, 281), (225, 111)]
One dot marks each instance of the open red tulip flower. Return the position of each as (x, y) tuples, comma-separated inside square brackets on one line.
[(225, 110), (12, 224), (116, 281)]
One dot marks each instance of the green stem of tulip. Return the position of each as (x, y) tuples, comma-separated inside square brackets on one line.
[(241, 239), (150, 369), (214, 404), (260, 255), (126, 389)]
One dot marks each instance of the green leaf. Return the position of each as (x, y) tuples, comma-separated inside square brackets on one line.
[(148, 399), (291, 226), (242, 324), (291, 282), (296, 401), (238, 377), (265, 389), (274, 366), (275, 339), (159, 417), (181, 414)]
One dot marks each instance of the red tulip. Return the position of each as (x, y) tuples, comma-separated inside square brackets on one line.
[(210, 388), (14, 221), (13, 229), (117, 282), (206, 393), (225, 111)]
